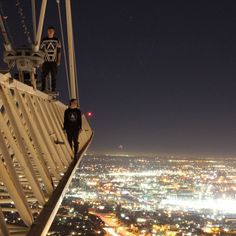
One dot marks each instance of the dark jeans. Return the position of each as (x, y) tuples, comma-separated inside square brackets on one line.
[(72, 136), (49, 67)]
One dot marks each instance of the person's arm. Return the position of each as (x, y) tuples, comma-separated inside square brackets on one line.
[(65, 120)]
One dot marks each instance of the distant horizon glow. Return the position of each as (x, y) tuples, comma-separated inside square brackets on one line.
[(160, 155)]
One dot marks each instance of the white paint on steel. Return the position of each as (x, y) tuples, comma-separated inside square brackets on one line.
[(12, 183), (40, 26), (18, 129), (30, 112), (70, 50)]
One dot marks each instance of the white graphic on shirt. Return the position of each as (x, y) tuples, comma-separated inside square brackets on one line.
[(50, 47), (73, 116)]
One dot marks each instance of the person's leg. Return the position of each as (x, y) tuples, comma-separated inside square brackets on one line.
[(53, 75), (44, 75), (75, 141), (69, 137)]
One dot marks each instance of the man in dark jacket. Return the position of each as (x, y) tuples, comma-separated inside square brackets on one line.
[(73, 124), (51, 46)]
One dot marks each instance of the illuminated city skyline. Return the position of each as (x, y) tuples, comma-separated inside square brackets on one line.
[(155, 195)]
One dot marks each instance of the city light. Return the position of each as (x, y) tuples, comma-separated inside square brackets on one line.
[(223, 205)]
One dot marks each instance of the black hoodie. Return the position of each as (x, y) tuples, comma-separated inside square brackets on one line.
[(72, 119)]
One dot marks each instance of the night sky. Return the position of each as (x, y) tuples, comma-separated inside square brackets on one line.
[(159, 76)]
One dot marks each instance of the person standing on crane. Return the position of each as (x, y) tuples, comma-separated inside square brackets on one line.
[(73, 124), (51, 46)]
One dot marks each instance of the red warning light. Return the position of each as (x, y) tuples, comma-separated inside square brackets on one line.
[(89, 114)]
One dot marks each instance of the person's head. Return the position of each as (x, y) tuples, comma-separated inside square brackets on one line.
[(51, 31), (73, 103)]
